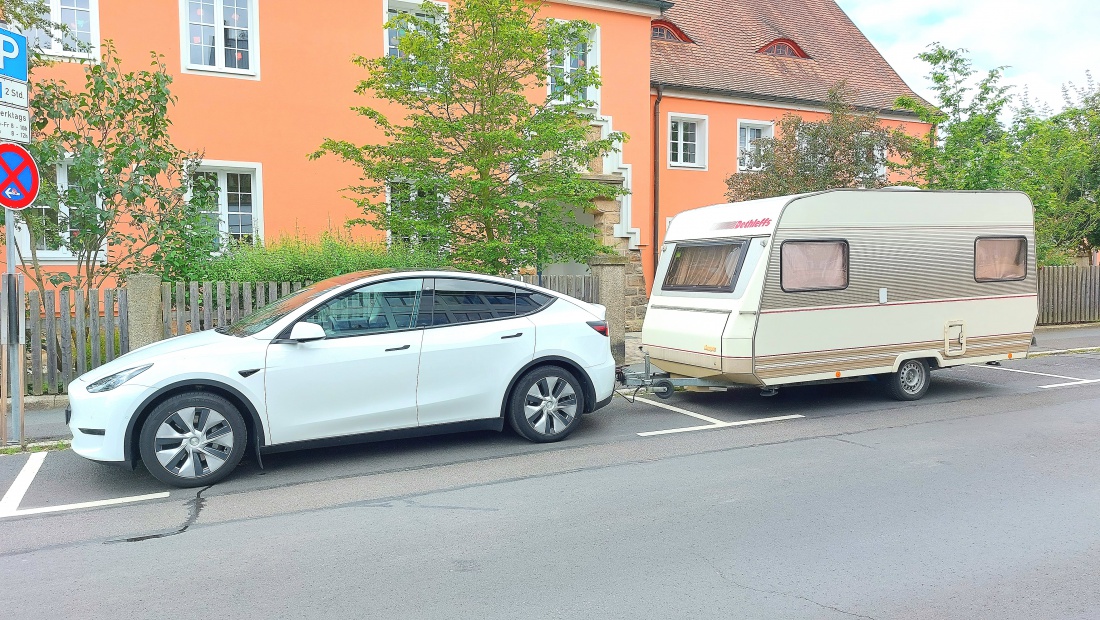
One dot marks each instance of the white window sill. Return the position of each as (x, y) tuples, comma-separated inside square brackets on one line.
[(676, 166), (740, 169), (218, 72), (72, 56)]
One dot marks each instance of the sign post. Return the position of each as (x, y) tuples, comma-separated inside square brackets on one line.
[(19, 183)]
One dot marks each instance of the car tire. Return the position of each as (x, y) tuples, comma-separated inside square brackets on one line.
[(546, 404), (911, 381), (193, 439)]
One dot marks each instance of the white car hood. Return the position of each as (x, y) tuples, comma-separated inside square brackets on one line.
[(150, 353)]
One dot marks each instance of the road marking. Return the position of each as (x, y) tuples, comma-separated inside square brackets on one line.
[(1026, 372), (93, 504), (18, 489), (9, 505), (1080, 382), (719, 425), (697, 416)]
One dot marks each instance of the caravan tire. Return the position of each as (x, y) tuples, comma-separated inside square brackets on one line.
[(911, 381)]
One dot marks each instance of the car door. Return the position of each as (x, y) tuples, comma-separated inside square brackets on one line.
[(361, 378), (471, 351)]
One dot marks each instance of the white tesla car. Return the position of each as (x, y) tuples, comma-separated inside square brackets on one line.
[(359, 357)]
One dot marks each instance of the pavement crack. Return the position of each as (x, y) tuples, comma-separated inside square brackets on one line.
[(722, 575), (855, 443), (194, 507)]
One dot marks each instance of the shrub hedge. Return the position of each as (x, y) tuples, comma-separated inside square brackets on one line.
[(301, 259)]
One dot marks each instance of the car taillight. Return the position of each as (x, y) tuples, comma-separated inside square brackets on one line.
[(600, 326)]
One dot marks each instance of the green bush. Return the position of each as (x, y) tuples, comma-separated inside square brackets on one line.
[(298, 259)]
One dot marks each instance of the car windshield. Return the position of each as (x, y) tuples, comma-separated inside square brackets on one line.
[(268, 315)]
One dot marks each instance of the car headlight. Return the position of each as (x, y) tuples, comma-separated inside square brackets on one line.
[(112, 381)]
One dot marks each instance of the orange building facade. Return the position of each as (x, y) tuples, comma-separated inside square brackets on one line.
[(261, 83)]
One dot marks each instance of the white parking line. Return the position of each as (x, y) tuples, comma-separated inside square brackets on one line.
[(9, 505), (1081, 382), (719, 425), (1026, 372), (697, 416), (18, 489)]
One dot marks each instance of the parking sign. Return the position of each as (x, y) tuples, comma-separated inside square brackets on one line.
[(13, 55)]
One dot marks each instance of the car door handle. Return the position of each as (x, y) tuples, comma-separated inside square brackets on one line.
[(516, 335), (398, 348)]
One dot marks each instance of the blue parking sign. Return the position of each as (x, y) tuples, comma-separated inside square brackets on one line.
[(13, 55)]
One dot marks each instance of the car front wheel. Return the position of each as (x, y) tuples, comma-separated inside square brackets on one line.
[(546, 404), (193, 439)]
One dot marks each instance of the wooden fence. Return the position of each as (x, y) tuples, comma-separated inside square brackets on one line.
[(70, 332), (1069, 295)]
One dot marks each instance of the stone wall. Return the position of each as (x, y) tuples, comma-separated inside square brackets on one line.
[(607, 214)]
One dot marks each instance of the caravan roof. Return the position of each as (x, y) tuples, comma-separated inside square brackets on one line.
[(852, 208)]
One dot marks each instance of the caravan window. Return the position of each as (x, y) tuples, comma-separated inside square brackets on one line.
[(813, 265), (1000, 259), (709, 268)]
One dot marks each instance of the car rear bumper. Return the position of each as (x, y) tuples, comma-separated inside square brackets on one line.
[(603, 382)]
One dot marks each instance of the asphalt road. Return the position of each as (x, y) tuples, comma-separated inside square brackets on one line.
[(980, 501)]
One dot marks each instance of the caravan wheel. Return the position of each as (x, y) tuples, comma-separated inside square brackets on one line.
[(911, 381)]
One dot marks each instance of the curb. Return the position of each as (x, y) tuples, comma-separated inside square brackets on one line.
[(31, 446), (1063, 352)]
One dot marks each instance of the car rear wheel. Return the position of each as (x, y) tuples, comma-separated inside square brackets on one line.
[(546, 404), (911, 381), (193, 439)]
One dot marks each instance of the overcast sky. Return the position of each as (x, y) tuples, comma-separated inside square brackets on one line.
[(1045, 44)]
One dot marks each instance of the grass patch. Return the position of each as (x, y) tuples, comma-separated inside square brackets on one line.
[(36, 447)]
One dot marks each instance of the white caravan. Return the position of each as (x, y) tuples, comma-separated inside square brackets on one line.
[(843, 285)]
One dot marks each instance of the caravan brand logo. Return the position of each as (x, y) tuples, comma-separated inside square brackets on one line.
[(760, 223)]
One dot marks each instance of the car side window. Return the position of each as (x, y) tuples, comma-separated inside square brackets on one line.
[(529, 302), (456, 301), (373, 309)]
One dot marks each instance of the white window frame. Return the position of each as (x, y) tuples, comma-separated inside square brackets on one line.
[(593, 94), (403, 6), (445, 200), (768, 128), (220, 70), (61, 256), (702, 123), (256, 170), (57, 49)]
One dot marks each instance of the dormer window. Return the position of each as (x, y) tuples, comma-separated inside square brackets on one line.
[(667, 31), (784, 48)]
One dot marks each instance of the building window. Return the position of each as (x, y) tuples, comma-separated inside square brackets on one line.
[(418, 211), (1000, 259), (393, 35), (220, 35), (749, 135), (666, 31), (564, 63), (687, 141), (239, 200), (813, 265), (81, 20), (60, 235), (783, 48)]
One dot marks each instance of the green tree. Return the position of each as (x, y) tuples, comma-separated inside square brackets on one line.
[(968, 147), (1057, 163), (848, 149), (130, 200), (486, 163)]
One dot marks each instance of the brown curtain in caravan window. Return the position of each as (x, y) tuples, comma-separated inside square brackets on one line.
[(814, 265), (703, 267), (1000, 259)]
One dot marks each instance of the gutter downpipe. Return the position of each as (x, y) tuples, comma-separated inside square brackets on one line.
[(657, 176)]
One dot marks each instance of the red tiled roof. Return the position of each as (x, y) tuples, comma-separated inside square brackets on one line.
[(727, 34)]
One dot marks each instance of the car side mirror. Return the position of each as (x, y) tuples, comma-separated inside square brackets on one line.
[(307, 332)]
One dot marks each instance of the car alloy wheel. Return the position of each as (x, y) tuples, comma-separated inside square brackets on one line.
[(193, 439), (546, 404)]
